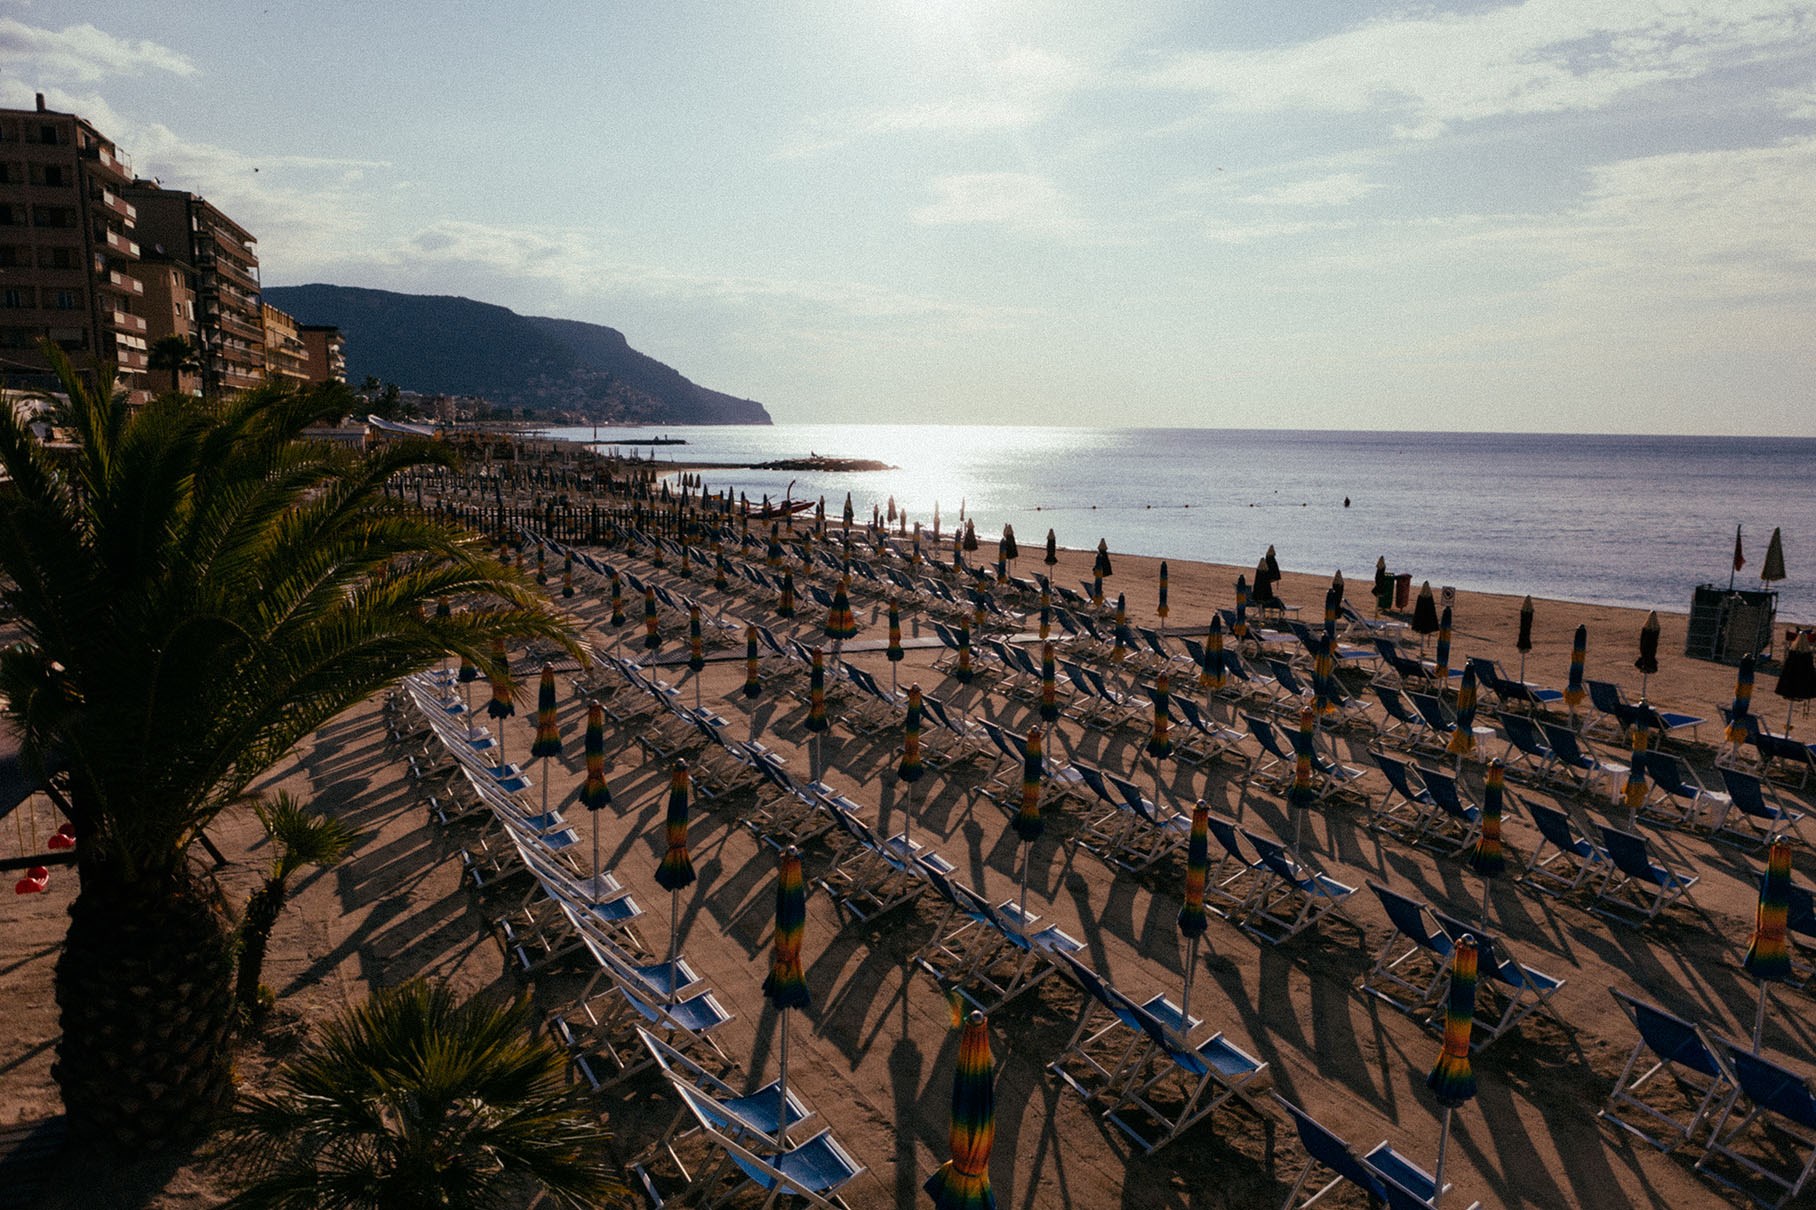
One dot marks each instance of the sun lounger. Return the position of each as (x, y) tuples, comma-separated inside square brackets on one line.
[(1755, 815), (1522, 990), (1405, 803), (1573, 859), (989, 955), (1324, 1149), (1296, 899), (813, 1171), (1636, 888), (1679, 798), (1412, 967), (1776, 1097), (1669, 1052), (1568, 750)]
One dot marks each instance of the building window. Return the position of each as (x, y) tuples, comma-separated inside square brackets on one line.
[(61, 258), (17, 297), (14, 257), (68, 300), (12, 216)]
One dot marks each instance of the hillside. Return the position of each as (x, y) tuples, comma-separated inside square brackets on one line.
[(455, 346)]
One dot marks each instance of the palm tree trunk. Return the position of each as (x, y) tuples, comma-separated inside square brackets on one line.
[(262, 911), (144, 987)]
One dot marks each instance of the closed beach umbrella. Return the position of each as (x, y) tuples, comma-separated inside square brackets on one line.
[(1796, 678), (548, 727), (1100, 567), (979, 599), (651, 640), (1647, 663), (1302, 794), (1161, 610), (1046, 609), (1333, 601), (962, 671), (1523, 643), (1384, 586), (914, 551), (1049, 684), (786, 985), (1324, 674), (1192, 920), (816, 721), (1462, 740), (1210, 676), (971, 537), (1264, 588), (1425, 613), (785, 601), (468, 673), (1769, 952), (687, 565), (696, 648), (542, 568), (911, 770), (1634, 794), (595, 794), (501, 705), (1006, 549), (1241, 628), (1453, 1078), (1052, 556), (847, 515), (1160, 743), (1772, 570), (1743, 701), (721, 571), (963, 1182), (1273, 567), (840, 622), (617, 601), (1441, 658), (1027, 822), (1119, 650), (1488, 856), (1579, 659), (894, 651), (677, 867), (567, 575), (772, 555)]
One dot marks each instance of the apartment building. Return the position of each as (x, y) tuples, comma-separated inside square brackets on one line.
[(286, 356), (170, 311), (224, 257), (68, 251), (327, 352)]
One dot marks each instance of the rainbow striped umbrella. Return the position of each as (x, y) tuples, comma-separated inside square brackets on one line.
[(1743, 701), (1160, 741), (1192, 919), (785, 602), (962, 671), (595, 794), (1049, 684), (1027, 822), (1441, 659), (651, 640), (1160, 610), (963, 1182), (1579, 658), (816, 721), (548, 723), (893, 652), (567, 575), (501, 705), (1635, 791), (1488, 856), (1453, 1078), (840, 623), (696, 647), (1462, 738), (1769, 953), (677, 868), (1046, 609), (786, 985), (1241, 627), (1303, 793), (1323, 672), (1210, 677), (753, 684), (1120, 648), (617, 601), (1333, 600)]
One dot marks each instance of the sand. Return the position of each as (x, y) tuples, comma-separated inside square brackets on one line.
[(875, 1054)]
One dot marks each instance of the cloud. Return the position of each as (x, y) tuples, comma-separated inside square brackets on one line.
[(1339, 189), (1018, 201), (81, 54), (1429, 70)]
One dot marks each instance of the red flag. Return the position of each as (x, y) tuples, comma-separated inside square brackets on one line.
[(1740, 560)]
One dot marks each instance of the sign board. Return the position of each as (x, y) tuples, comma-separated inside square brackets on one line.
[(1447, 597)]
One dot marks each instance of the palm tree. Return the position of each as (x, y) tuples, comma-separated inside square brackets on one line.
[(178, 355), (298, 839), (199, 589), (411, 1100)]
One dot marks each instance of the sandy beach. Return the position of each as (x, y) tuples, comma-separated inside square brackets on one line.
[(874, 1055)]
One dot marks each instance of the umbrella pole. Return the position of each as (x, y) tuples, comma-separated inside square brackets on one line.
[(1486, 884), (674, 934), (1759, 1017), (1028, 854), (908, 823), (893, 664), (782, 1088), (595, 824), (1788, 708), (1437, 1183), (545, 785), (1185, 994), (1522, 667), (696, 691)]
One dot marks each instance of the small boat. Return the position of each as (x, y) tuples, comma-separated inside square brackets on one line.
[(786, 508)]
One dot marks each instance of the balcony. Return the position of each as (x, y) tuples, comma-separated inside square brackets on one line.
[(125, 247), (125, 282), (115, 204), (126, 322)]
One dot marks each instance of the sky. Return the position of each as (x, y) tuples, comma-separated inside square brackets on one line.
[(1548, 215)]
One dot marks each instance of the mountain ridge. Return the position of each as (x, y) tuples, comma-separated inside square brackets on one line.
[(452, 345)]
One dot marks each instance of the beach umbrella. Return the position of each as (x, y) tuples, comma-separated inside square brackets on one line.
[(1796, 678), (1740, 559), (677, 868), (936, 520), (1006, 548), (1002, 572), (1462, 739), (696, 648), (721, 571), (1647, 663), (1579, 658), (1523, 643), (501, 706), (914, 551), (595, 794), (567, 575), (978, 600), (958, 549), (962, 671), (1743, 702), (1488, 856), (1210, 677), (1769, 952), (687, 563), (617, 600), (651, 640), (1453, 1078), (785, 600), (1263, 589), (1046, 609), (786, 985), (911, 770), (1441, 659), (1192, 920), (970, 537), (548, 729), (963, 1182), (894, 651), (1302, 794), (1120, 649), (468, 673), (1049, 684), (846, 516), (1027, 822), (1324, 672), (1424, 614), (890, 515), (1160, 739), (816, 721), (753, 681), (1052, 557), (542, 570), (1160, 610), (1384, 586), (841, 624), (1772, 570), (1100, 568), (1241, 628), (1333, 601), (1634, 793), (772, 554), (1273, 567)]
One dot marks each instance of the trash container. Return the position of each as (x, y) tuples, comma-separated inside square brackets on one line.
[(1402, 591)]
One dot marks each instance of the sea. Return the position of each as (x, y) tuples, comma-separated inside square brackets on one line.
[(1637, 521)]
